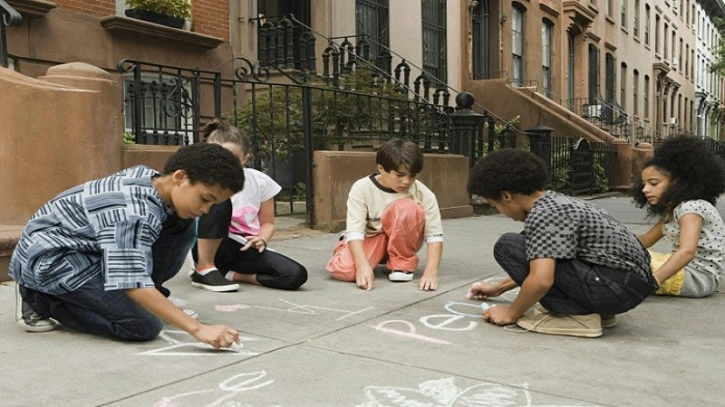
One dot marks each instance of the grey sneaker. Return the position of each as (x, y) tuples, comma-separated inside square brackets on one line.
[(27, 318)]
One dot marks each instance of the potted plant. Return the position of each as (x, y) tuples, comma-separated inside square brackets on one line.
[(172, 13)]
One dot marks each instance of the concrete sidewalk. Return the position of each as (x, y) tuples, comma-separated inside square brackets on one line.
[(331, 344)]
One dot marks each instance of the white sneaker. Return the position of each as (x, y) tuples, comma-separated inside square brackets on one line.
[(400, 276), (27, 318)]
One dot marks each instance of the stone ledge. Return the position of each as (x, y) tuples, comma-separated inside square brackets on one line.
[(135, 26), (9, 235), (30, 9)]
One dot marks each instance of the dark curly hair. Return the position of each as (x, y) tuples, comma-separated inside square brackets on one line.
[(210, 164), (512, 170), (695, 172)]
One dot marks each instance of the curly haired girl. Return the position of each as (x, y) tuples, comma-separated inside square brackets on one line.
[(680, 184)]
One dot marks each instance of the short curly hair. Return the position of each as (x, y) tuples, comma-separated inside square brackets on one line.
[(210, 164), (695, 172), (512, 170)]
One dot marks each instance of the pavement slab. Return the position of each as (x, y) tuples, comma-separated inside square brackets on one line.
[(331, 344)]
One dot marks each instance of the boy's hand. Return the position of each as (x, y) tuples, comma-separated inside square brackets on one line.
[(218, 336), (428, 283), (499, 315), (481, 290), (364, 277)]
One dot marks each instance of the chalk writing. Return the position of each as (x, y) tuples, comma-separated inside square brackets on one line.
[(411, 333), (312, 309), (231, 307), (447, 322), (228, 389), (445, 393), (182, 347)]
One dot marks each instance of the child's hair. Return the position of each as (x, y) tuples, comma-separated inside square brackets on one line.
[(216, 131), (396, 152), (210, 164), (695, 172), (512, 170)]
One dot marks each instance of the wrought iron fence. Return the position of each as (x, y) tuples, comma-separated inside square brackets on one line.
[(581, 167)]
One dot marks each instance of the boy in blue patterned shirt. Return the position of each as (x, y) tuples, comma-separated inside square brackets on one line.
[(94, 258), (582, 265)]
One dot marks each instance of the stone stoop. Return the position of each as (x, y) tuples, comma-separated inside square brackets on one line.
[(9, 235)]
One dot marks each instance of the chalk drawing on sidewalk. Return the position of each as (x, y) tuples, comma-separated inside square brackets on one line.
[(179, 345), (313, 309), (410, 333), (231, 307), (445, 393), (226, 390)]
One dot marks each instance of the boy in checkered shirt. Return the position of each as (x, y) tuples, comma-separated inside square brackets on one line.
[(575, 259)]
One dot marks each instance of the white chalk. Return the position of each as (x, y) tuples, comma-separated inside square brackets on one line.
[(484, 306)]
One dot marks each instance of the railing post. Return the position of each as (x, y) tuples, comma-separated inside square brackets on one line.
[(465, 124), (540, 144)]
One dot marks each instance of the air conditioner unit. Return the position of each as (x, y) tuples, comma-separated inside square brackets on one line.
[(674, 62), (673, 121)]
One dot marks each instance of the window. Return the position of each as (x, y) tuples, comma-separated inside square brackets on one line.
[(657, 34), (687, 59), (434, 39), (623, 87), (517, 45), (161, 105), (635, 92), (547, 28), (679, 55), (635, 25), (664, 48), (674, 44), (371, 19), (646, 24), (593, 74), (623, 19), (481, 49), (608, 7), (646, 97), (610, 78)]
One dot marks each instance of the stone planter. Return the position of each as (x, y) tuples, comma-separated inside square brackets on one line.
[(156, 18)]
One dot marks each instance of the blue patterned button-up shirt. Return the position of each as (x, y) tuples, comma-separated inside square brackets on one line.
[(105, 226)]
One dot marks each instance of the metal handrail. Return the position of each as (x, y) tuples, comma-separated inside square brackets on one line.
[(10, 17)]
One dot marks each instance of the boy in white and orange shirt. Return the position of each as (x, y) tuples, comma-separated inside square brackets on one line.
[(389, 215)]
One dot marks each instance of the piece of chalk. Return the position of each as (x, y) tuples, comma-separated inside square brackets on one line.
[(484, 306)]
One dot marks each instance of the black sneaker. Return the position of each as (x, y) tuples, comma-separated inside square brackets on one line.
[(28, 319), (213, 281)]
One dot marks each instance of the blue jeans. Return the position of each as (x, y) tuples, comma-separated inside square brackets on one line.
[(579, 287), (112, 313)]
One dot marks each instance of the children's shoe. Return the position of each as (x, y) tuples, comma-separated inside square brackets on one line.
[(608, 320), (400, 276), (213, 281), (585, 326), (27, 318)]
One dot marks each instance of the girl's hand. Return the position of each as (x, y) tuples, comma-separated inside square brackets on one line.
[(256, 242)]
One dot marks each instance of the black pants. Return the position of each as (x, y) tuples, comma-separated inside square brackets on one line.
[(579, 287)]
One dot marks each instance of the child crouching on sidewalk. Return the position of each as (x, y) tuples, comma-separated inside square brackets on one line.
[(389, 215), (573, 257)]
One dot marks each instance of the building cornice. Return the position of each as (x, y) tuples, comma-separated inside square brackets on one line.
[(713, 8)]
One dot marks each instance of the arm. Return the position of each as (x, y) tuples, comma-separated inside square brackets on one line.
[(266, 228), (482, 289), (653, 235), (534, 287), (218, 336), (363, 270), (429, 280), (690, 228)]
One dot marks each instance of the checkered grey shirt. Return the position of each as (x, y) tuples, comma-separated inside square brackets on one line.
[(106, 226), (562, 227)]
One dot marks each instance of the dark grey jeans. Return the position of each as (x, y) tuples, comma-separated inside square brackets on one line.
[(579, 287), (93, 310)]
